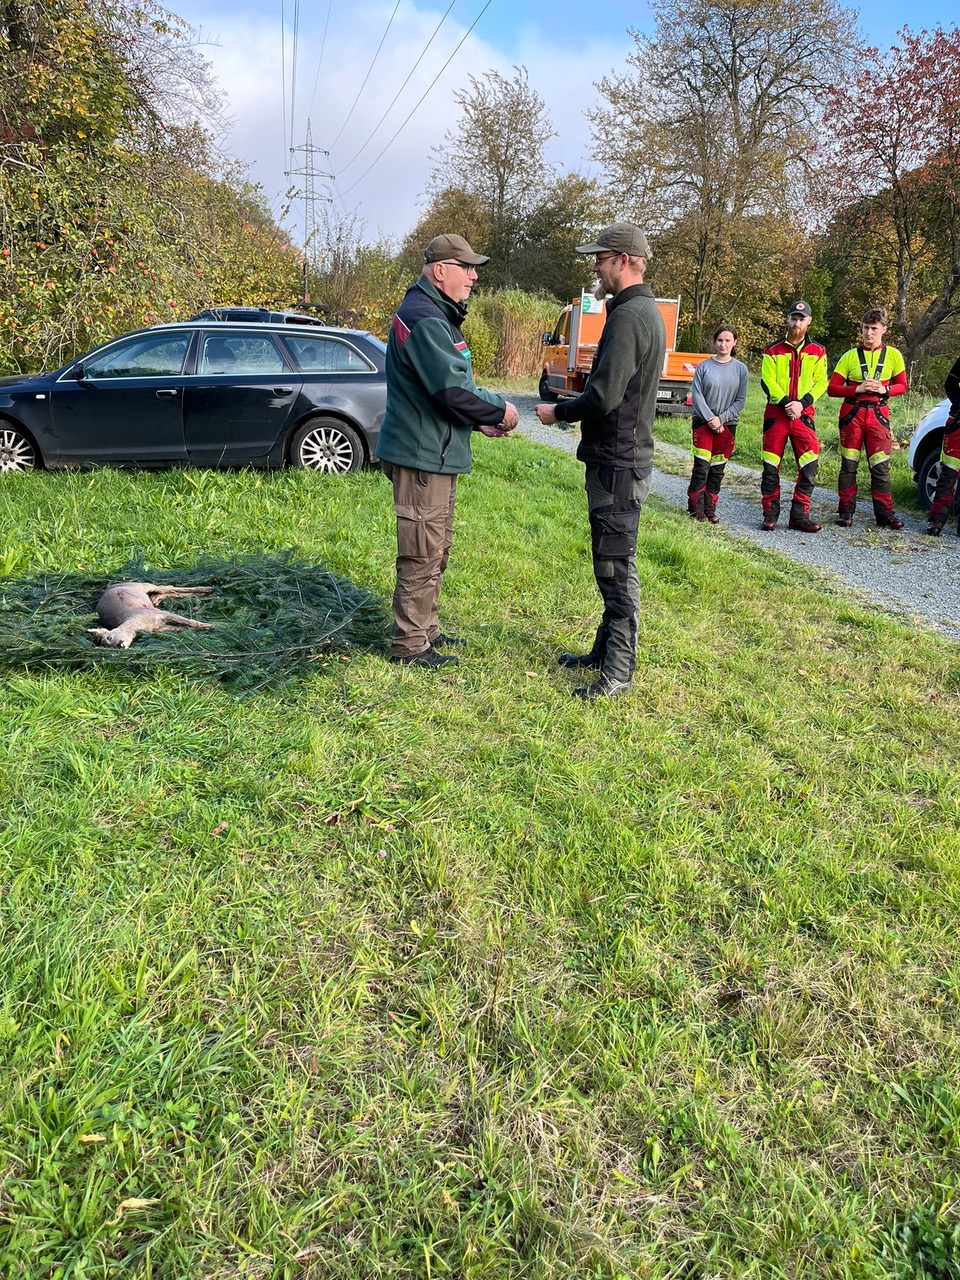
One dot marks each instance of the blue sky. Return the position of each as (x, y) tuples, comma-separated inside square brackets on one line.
[(564, 57)]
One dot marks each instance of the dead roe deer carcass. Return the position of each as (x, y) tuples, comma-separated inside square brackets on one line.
[(127, 608)]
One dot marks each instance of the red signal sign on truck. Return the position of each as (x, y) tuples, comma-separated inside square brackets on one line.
[(568, 354)]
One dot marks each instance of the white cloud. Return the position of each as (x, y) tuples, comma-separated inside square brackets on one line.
[(246, 61)]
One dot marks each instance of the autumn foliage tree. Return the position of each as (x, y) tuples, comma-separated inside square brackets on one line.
[(492, 184), (894, 180), (114, 210), (706, 138)]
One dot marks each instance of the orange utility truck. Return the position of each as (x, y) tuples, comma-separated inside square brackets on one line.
[(568, 354)]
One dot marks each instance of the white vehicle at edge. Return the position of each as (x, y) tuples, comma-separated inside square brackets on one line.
[(926, 444)]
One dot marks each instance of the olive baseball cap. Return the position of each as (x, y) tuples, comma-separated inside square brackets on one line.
[(799, 309), (622, 237), (454, 248)]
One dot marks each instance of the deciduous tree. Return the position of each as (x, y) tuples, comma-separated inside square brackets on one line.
[(895, 177), (495, 154), (711, 130)]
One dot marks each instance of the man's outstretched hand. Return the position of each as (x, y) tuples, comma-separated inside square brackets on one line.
[(510, 419)]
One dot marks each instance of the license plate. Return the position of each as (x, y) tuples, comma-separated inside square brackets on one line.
[(663, 395)]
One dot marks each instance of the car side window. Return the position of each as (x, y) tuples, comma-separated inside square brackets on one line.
[(316, 354), (148, 356), (239, 353)]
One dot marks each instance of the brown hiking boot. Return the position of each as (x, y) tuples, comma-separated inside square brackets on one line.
[(889, 520), (803, 524)]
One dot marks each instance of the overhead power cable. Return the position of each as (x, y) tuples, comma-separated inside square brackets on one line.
[(417, 107), (367, 76), (373, 131), (283, 74), (323, 45), (293, 61)]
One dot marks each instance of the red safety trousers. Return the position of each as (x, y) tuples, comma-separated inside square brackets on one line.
[(711, 453), (868, 423), (777, 430), (949, 470)]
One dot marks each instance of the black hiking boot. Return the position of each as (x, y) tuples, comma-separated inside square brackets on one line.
[(429, 658)]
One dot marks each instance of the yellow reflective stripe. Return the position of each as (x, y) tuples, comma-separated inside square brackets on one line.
[(702, 453), (804, 458), (718, 459), (878, 457), (772, 457), (949, 461), (852, 454)]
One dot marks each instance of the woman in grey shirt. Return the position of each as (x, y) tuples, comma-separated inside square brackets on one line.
[(718, 395)]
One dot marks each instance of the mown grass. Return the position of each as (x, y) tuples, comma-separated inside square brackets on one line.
[(391, 973)]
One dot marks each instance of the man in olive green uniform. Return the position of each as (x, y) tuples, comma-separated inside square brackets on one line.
[(616, 412)]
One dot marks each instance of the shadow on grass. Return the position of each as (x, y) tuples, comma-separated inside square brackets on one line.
[(275, 618)]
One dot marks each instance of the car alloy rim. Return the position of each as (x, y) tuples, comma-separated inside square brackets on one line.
[(16, 452), (933, 475), (326, 449)]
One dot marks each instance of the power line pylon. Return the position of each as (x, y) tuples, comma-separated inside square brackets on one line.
[(309, 196)]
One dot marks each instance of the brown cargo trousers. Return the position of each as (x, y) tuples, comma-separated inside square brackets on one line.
[(423, 502)]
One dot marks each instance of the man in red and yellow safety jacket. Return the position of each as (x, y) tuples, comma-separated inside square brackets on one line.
[(942, 506), (865, 378), (794, 376)]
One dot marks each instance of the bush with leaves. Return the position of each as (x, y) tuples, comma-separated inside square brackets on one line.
[(113, 210)]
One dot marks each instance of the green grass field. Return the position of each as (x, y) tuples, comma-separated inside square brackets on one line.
[(388, 973)]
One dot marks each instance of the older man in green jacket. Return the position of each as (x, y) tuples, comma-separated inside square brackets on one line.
[(433, 406)]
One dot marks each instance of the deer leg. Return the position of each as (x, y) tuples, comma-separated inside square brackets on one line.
[(178, 620), (161, 593)]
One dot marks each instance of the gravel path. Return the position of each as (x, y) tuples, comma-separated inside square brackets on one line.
[(905, 572)]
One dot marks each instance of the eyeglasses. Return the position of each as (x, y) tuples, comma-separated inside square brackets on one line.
[(602, 257), (452, 262)]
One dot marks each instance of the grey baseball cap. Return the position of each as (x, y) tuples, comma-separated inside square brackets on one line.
[(799, 309), (454, 248), (621, 237)]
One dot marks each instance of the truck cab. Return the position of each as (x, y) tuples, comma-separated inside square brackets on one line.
[(569, 349)]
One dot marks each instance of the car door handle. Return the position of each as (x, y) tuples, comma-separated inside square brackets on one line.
[(283, 391), (166, 394)]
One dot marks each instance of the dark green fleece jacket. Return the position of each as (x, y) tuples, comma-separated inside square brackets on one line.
[(433, 404), (618, 404)]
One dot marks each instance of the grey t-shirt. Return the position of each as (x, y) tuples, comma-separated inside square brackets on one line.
[(719, 390)]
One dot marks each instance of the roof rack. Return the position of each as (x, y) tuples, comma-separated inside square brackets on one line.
[(256, 315)]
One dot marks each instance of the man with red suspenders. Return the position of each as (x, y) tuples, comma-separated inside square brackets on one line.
[(949, 459), (794, 376), (865, 378)]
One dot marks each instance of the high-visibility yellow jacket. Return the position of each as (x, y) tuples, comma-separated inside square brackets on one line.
[(794, 373)]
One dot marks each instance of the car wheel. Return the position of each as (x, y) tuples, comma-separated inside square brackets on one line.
[(17, 452), (326, 444), (547, 393), (928, 473)]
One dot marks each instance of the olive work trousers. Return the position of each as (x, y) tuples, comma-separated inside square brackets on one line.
[(614, 500), (423, 502)]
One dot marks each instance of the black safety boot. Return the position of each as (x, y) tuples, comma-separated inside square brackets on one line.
[(605, 687), (573, 661), (889, 520)]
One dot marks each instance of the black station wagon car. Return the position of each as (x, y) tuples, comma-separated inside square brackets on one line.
[(208, 392)]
